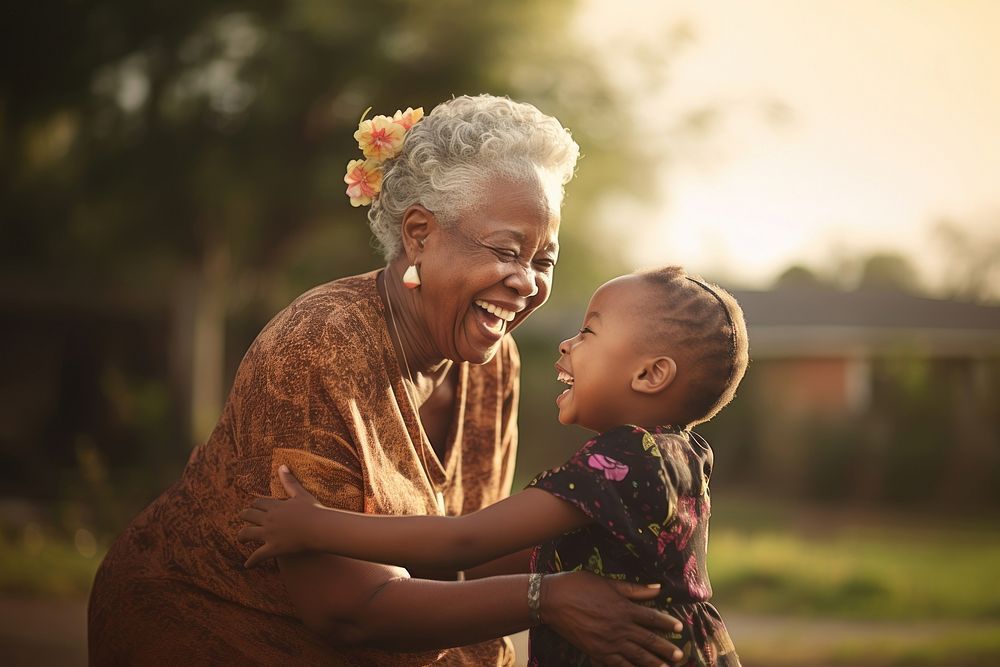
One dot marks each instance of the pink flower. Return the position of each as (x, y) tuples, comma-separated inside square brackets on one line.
[(408, 118), (613, 470), (380, 138), (364, 180)]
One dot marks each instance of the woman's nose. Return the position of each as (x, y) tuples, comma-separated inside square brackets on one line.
[(524, 281)]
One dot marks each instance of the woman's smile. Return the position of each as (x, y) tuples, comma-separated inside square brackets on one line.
[(493, 326)]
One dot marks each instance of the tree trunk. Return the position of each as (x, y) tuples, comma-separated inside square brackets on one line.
[(199, 341)]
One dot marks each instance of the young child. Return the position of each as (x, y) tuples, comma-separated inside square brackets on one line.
[(659, 351)]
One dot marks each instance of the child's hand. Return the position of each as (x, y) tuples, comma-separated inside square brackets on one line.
[(284, 526)]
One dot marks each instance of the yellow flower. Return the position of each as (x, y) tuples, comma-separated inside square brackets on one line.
[(380, 138), (408, 118), (364, 180)]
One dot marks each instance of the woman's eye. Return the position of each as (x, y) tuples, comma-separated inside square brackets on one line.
[(507, 253), (545, 262)]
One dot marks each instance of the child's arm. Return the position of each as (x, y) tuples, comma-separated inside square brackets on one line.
[(300, 523)]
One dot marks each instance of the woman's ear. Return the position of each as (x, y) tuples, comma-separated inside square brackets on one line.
[(655, 375), (418, 224)]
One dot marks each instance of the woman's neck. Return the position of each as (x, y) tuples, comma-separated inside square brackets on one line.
[(424, 366)]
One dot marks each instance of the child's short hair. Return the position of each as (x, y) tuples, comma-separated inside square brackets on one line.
[(705, 327)]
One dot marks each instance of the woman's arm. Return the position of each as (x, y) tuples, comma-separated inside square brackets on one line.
[(353, 603), (300, 523)]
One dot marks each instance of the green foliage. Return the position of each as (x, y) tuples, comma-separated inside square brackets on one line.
[(165, 131), (41, 564)]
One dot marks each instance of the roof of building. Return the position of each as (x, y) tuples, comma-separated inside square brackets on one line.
[(814, 322), (800, 321)]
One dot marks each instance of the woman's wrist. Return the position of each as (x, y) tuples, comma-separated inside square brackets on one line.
[(535, 598)]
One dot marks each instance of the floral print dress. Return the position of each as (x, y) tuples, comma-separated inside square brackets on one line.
[(647, 493)]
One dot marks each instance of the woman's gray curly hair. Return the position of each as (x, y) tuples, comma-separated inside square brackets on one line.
[(450, 156)]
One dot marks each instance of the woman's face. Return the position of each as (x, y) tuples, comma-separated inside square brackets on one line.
[(484, 275)]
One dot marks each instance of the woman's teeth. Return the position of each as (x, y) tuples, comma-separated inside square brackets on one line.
[(502, 313)]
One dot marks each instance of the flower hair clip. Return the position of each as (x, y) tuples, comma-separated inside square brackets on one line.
[(380, 139)]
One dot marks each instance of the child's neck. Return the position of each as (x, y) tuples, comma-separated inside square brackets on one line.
[(650, 423), (650, 416)]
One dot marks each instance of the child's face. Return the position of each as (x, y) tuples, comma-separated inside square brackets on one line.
[(600, 361)]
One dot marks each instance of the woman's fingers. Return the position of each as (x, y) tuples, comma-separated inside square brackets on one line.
[(601, 617), (657, 620), (648, 617), (649, 646), (630, 653), (652, 645), (636, 592)]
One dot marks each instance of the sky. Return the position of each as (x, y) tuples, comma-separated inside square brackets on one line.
[(893, 124)]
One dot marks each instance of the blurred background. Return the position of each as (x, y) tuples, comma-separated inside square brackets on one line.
[(171, 176)]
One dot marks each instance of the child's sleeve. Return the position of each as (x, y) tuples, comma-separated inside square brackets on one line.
[(619, 480)]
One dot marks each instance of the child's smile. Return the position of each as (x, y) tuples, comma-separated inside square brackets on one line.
[(565, 378)]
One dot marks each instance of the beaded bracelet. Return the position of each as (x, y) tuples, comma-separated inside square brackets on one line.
[(535, 598)]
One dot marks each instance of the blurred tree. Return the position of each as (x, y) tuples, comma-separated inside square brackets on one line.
[(799, 275), (972, 261), (190, 155), (889, 271)]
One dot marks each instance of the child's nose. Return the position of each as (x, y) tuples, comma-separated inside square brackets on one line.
[(564, 346)]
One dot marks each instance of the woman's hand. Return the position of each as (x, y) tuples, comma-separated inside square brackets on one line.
[(599, 616), (284, 526)]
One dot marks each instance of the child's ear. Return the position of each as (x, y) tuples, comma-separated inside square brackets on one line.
[(655, 375)]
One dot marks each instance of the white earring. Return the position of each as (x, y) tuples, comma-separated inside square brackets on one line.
[(411, 278)]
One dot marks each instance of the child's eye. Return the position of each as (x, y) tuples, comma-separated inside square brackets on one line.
[(586, 330)]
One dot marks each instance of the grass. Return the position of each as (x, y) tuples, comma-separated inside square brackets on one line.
[(818, 564), (855, 576), (968, 648)]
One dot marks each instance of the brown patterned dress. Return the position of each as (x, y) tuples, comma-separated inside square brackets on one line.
[(320, 390)]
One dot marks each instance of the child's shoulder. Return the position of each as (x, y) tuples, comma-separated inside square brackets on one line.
[(667, 442), (624, 438)]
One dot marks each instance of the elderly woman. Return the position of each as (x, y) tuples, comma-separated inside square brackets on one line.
[(393, 392)]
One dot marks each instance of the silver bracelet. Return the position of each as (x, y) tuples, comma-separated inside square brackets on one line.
[(535, 598)]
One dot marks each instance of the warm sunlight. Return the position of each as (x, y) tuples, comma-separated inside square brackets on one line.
[(892, 125)]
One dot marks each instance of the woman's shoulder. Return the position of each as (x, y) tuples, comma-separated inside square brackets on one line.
[(344, 297), (339, 319)]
